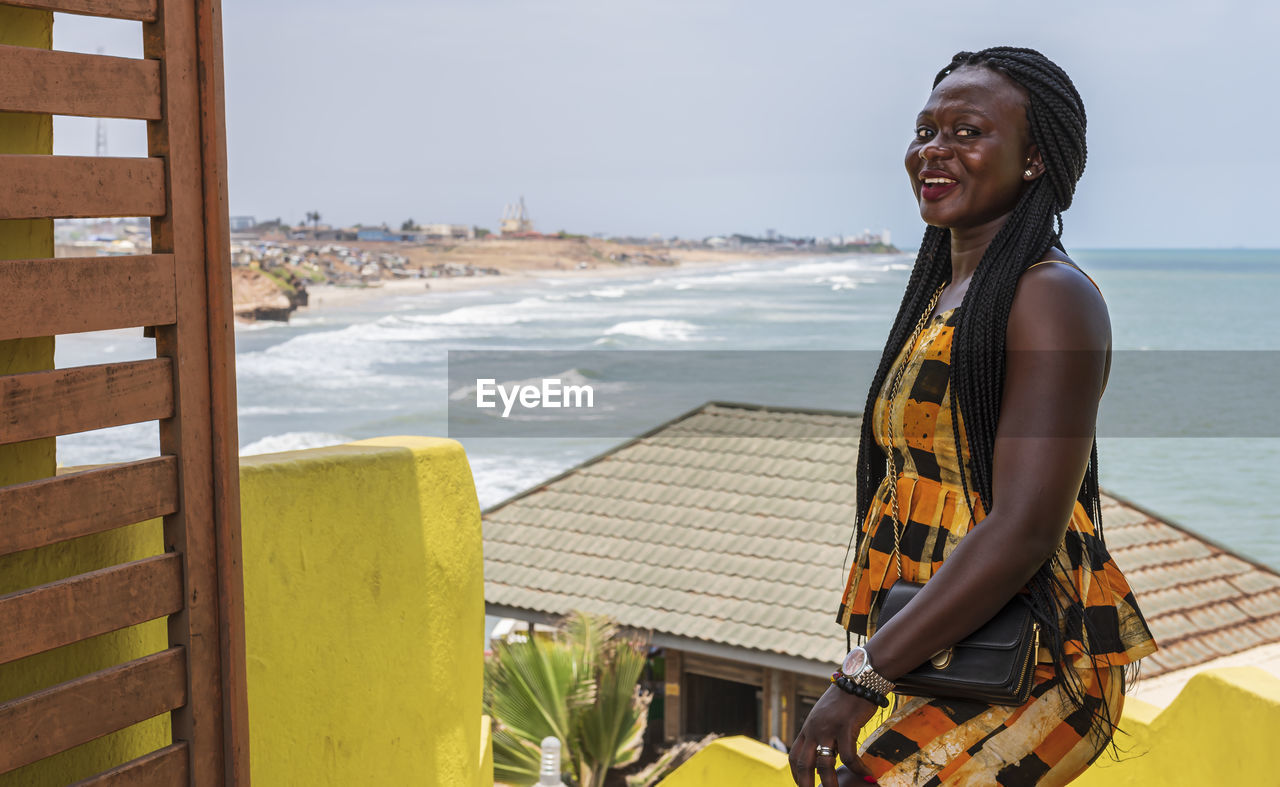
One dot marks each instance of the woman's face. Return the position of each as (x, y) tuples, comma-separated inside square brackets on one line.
[(970, 149)]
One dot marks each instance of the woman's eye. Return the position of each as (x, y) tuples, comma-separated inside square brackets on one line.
[(923, 132), (966, 132)]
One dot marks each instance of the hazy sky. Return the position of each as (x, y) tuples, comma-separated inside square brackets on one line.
[(688, 117)]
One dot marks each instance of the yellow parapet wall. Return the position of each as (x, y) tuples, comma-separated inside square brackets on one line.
[(364, 588), (1222, 730), (737, 761)]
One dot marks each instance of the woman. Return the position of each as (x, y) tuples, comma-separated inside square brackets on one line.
[(1009, 360)]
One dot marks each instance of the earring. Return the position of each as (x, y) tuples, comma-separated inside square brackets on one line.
[(1028, 172)]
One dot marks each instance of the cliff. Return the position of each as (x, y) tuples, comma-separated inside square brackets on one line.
[(259, 296)]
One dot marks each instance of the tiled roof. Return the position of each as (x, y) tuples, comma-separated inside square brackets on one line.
[(730, 524)]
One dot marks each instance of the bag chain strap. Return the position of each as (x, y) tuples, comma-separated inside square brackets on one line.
[(894, 390)]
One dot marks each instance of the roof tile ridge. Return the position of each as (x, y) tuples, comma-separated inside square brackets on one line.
[(702, 508), (730, 473), (596, 556), (682, 612), (809, 520), (1141, 544), (779, 476), (1213, 555), (1248, 621)]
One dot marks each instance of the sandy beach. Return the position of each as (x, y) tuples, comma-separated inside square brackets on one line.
[(523, 263)]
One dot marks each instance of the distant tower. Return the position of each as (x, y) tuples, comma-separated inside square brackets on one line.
[(515, 219), (100, 146)]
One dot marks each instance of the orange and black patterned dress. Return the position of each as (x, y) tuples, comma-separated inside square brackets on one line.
[(928, 741)]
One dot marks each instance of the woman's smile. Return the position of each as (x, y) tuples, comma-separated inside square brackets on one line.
[(935, 184)]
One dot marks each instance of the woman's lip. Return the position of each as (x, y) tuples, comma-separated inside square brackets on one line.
[(936, 191)]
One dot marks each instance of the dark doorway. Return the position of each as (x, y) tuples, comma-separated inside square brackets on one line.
[(723, 706)]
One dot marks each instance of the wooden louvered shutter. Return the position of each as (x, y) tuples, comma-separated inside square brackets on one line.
[(182, 289)]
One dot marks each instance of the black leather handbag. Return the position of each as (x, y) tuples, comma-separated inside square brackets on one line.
[(995, 664)]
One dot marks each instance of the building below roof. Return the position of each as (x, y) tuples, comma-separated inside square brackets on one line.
[(724, 534)]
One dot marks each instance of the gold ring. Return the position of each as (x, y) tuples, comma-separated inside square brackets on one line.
[(825, 751)]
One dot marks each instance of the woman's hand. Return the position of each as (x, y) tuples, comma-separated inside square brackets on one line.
[(835, 721)]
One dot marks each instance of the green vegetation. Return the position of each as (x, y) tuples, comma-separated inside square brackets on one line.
[(281, 280), (580, 686)]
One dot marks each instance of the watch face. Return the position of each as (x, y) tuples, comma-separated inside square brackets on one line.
[(854, 662)]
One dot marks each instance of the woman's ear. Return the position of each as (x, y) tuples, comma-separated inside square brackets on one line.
[(1033, 166)]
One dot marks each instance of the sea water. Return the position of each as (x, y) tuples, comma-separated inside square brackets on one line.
[(379, 367)]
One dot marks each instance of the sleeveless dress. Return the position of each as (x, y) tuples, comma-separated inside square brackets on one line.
[(926, 741)]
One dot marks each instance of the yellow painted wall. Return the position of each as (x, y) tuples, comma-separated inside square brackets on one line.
[(21, 239), (733, 761), (35, 459), (484, 777), (364, 588), (1222, 729)]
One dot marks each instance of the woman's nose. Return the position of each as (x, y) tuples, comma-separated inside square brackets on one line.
[(933, 150)]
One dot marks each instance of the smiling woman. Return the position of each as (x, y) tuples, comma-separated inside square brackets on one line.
[(984, 412)]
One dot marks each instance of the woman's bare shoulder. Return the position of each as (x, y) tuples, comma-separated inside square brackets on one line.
[(1058, 306)]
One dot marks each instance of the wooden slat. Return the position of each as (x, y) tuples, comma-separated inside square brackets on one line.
[(76, 294), (65, 401), (69, 610), (68, 187), (69, 83), (39, 513), (137, 10), (165, 767), (81, 710), (174, 40), (222, 363)]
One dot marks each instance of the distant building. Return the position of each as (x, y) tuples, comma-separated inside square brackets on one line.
[(515, 219), (242, 223), (378, 234), (448, 231)]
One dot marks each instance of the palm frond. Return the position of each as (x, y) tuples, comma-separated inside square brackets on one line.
[(611, 730), (516, 761), (580, 687)]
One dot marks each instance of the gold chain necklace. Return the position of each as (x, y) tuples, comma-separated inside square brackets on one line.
[(894, 389)]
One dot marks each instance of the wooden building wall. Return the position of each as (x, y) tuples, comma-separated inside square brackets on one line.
[(782, 692)]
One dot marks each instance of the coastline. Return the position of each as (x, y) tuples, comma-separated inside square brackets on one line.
[(322, 296)]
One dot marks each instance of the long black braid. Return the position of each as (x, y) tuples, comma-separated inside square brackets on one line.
[(1056, 120)]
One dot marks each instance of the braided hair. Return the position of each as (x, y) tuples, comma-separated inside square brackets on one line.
[(1056, 120)]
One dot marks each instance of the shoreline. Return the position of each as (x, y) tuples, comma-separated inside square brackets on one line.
[(327, 296)]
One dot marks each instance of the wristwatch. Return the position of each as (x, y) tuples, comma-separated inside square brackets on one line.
[(857, 667)]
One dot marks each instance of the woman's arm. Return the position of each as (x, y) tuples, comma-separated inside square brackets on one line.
[(1058, 338)]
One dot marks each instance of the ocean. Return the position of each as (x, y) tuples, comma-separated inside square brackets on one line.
[(379, 367)]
